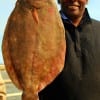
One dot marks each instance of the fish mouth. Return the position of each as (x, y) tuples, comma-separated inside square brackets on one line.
[(36, 3), (32, 2)]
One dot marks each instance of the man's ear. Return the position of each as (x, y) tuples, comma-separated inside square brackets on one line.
[(86, 3)]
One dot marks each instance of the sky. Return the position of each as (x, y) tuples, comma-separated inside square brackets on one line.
[(6, 7)]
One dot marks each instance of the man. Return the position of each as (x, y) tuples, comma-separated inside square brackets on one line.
[(80, 78)]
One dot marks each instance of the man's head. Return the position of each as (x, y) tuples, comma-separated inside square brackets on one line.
[(73, 8)]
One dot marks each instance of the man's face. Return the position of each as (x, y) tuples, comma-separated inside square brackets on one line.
[(73, 8)]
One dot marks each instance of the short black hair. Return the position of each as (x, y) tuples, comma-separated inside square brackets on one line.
[(58, 1)]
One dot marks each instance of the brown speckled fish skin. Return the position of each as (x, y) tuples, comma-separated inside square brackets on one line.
[(34, 49)]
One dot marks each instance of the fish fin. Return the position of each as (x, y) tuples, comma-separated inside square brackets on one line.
[(35, 15)]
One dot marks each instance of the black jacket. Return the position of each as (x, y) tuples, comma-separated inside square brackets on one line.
[(80, 78)]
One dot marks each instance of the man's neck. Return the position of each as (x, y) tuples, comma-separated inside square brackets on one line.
[(76, 21)]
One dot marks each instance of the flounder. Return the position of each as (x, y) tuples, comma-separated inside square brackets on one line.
[(34, 46)]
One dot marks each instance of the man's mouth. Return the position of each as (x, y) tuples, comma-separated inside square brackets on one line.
[(73, 6)]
